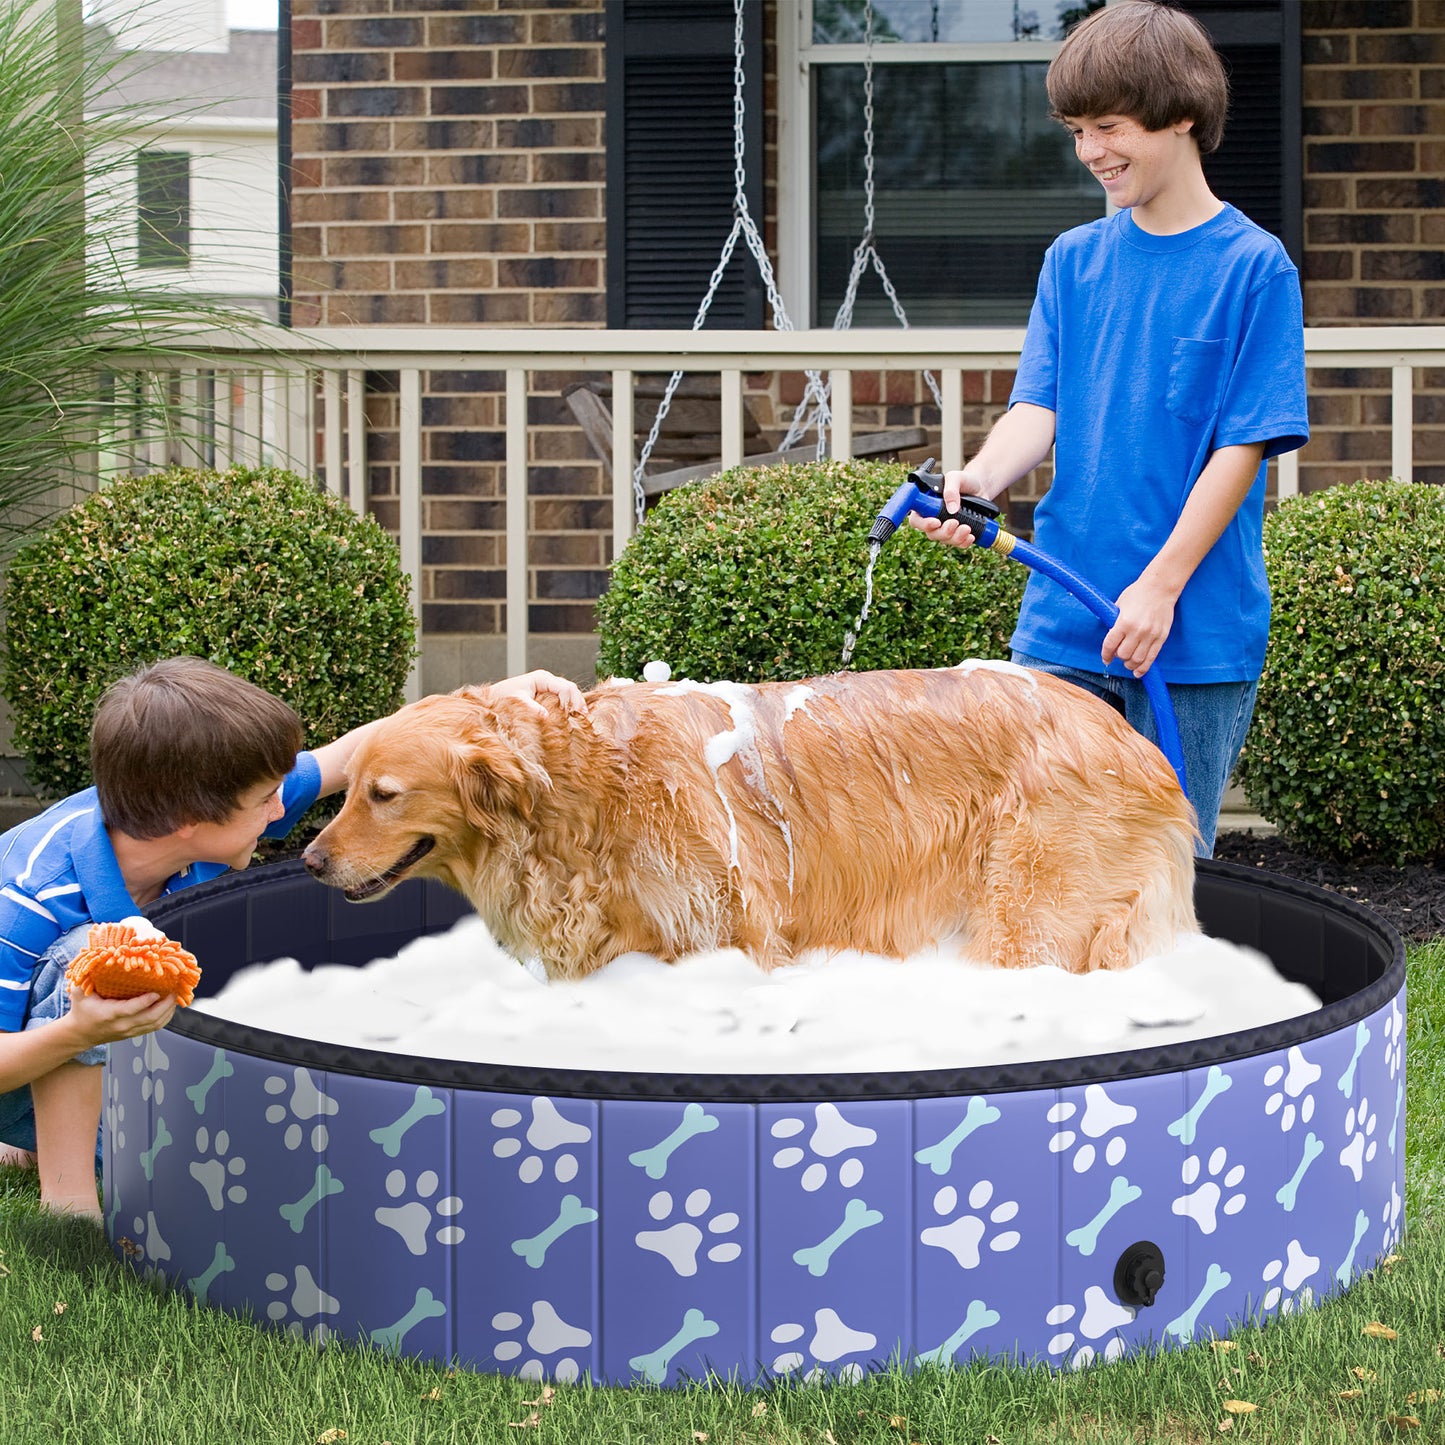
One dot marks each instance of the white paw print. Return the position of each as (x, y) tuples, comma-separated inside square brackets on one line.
[(832, 1339), (1286, 1099), (679, 1242), (832, 1135), (147, 1239), (1360, 1126), (1101, 1316), (114, 1111), (307, 1102), (305, 1302), (962, 1236), (547, 1131), (1395, 1039), (1100, 1118), (1390, 1215), (549, 1334), (151, 1060), (413, 1220), (218, 1175), (1290, 1272), (1202, 1204)]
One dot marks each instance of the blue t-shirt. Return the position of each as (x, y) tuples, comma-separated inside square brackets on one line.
[(1153, 352), (59, 870)]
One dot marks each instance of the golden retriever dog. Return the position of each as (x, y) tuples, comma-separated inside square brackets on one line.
[(877, 811)]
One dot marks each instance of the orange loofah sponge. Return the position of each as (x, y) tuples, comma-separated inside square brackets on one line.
[(117, 963)]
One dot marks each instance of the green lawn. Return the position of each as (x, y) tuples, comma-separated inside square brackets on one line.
[(90, 1354)]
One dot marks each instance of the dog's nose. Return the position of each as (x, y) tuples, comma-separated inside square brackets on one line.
[(317, 863)]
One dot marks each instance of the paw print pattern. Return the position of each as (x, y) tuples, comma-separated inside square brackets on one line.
[(1360, 1124), (832, 1135), (962, 1236), (151, 1060), (219, 1176), (549, 1335), (114, 1111), (1283, 1279), (1101, 1316), (1203, 1204), (305, 1302), (1290, 1098), (547, 1131), (307, 1102), (1100, 1118), (831, 1340), (1395, 1039), (413, 1220), (678, 1243)]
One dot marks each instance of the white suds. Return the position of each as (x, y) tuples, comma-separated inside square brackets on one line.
[(458, 996)]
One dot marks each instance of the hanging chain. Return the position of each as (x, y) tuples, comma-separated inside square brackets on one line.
[(743, 226), (814, 408), (864, 255)]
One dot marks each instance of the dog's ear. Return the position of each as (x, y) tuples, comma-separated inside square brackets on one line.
[(494, 776)]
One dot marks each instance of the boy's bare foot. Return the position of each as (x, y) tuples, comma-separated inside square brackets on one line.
[(16, 1157), (77, 1206)]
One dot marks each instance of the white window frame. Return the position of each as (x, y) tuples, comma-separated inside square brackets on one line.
[(797, 147)]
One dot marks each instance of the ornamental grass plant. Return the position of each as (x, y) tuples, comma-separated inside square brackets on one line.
[(69, 293)]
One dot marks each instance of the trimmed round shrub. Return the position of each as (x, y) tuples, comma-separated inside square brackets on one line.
[(1346, 754), (254, 569), (758, 574)]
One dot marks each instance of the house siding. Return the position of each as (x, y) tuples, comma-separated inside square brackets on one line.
[(450, 169)]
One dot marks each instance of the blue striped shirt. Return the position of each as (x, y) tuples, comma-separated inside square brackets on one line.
[(59, 870)]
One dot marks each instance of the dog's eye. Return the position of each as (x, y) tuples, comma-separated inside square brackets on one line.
[(379, 793)]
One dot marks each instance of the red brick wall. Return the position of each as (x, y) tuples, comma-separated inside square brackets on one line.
[(1374, 156)]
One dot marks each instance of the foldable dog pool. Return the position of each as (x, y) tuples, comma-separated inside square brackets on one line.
[(647, 1227)]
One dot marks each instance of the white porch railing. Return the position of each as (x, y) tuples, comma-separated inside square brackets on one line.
[(289, 388)]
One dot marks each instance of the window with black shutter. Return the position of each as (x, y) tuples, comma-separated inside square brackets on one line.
[(1258, 166), (670, 171)]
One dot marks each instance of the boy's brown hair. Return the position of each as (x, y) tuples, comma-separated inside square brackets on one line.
[(1145, 60), (179, 741)]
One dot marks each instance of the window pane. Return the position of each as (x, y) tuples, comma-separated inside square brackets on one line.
[(972, 182), (163, 198), (947, 22)]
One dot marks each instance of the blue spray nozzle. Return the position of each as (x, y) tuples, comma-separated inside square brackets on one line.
[(922, 495)]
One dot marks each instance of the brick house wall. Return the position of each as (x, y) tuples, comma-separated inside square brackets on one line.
[(449, 169)]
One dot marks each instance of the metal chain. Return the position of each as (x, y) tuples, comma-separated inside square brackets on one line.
[(813, 409)]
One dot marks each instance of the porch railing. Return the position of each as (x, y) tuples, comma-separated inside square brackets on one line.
[(298, 398)]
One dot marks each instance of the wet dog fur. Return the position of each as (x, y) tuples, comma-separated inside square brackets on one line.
[(883, 812)]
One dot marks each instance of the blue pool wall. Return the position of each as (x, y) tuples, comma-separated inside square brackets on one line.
[(652, 1228)]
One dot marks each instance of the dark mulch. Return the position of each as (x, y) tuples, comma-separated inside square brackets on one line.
[(1411, 897)]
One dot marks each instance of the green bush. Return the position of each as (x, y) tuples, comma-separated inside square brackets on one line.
[(255, 570), (759, 574), (1347, 750)]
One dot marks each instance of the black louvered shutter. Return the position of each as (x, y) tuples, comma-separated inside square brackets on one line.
[(670, 161), (1258, 167)]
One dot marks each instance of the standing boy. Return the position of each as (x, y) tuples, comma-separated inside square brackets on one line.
[(192, 766), (1164, 364)]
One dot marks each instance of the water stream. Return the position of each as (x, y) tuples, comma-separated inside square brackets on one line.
[(850, 638)]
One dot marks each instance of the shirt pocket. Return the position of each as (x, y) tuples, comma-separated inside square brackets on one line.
[(1196, 378)]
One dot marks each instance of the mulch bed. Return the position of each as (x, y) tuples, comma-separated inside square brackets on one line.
[(1411, 897)]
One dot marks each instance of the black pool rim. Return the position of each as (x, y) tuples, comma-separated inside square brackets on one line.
[(233, 922)]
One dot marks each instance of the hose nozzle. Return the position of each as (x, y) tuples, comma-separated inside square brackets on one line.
[(922, 494)]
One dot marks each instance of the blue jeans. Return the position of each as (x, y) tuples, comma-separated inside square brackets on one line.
[(1213, 719), (49, 999)]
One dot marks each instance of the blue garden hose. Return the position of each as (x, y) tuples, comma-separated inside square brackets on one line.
[(922, 494)]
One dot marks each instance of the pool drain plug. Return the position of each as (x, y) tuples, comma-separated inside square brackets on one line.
[(1139, 1275)]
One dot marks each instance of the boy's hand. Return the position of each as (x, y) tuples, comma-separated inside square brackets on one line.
[(530, 685), (1146, 615), (950, 533), (99, 1020)]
